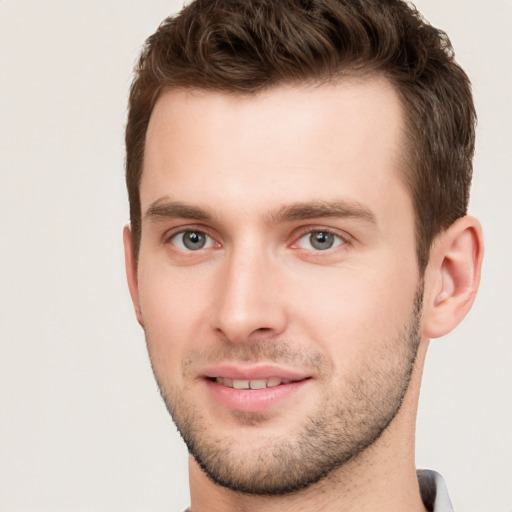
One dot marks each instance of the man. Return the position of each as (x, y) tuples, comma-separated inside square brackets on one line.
[(298, 175)]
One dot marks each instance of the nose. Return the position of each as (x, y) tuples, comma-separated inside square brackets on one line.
[(248, 303)]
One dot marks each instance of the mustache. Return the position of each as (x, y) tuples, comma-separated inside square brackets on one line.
[(261, 351)]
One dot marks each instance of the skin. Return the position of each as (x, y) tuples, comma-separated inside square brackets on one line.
[(256, 176)]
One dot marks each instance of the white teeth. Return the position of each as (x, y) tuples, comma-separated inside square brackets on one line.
[(240, 384), (252, 384), (258, 384), (273, 382)]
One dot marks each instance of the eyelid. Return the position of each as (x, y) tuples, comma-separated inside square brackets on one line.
[(182, 228)]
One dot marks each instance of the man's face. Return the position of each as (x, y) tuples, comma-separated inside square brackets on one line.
[(277, 277)]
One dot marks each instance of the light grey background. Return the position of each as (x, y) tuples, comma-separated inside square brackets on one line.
[(82, 427)]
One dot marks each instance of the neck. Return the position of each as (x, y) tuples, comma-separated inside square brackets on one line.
[(381, 478)]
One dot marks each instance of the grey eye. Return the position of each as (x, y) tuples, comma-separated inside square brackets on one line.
[(319, 240), (192, 240)]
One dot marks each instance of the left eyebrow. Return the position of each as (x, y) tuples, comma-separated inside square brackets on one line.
[(339, 209)]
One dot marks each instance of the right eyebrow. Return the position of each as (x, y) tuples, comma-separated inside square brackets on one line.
[(165, 209)]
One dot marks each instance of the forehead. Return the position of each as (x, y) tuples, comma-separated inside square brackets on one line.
[(286, 144)]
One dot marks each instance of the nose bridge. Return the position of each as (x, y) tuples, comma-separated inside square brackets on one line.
[(247, 303)]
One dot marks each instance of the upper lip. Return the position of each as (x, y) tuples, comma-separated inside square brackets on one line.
[(232, 371)]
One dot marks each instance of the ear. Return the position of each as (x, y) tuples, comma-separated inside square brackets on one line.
[(131, 272), (452, 276)]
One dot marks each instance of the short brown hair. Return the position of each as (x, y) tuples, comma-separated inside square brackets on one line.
[(246, 46)]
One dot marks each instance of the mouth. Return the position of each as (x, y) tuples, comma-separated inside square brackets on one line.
[(254, 389)]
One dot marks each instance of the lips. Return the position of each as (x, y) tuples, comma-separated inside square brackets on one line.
[(251, 373), (253, 389)]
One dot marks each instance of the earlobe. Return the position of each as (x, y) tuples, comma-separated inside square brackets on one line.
[(452, 276), (131, 272)]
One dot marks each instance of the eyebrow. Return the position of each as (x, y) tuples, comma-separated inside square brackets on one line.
[(340, 208), (164, 208)]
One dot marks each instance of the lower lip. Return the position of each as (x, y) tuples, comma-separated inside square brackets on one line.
[(253, 400)]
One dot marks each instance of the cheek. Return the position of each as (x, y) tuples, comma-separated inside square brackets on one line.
[(170, 297), (354, 309), (171, 308)]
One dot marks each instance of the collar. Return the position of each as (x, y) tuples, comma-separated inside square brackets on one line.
[(433, 491)]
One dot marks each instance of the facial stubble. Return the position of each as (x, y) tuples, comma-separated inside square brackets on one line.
[(340, 430)]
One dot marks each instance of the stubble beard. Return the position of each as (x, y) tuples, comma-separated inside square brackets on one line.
[(342, 428)]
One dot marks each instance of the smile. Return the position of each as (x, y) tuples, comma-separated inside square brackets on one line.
[(255, 389), (252, 384)]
